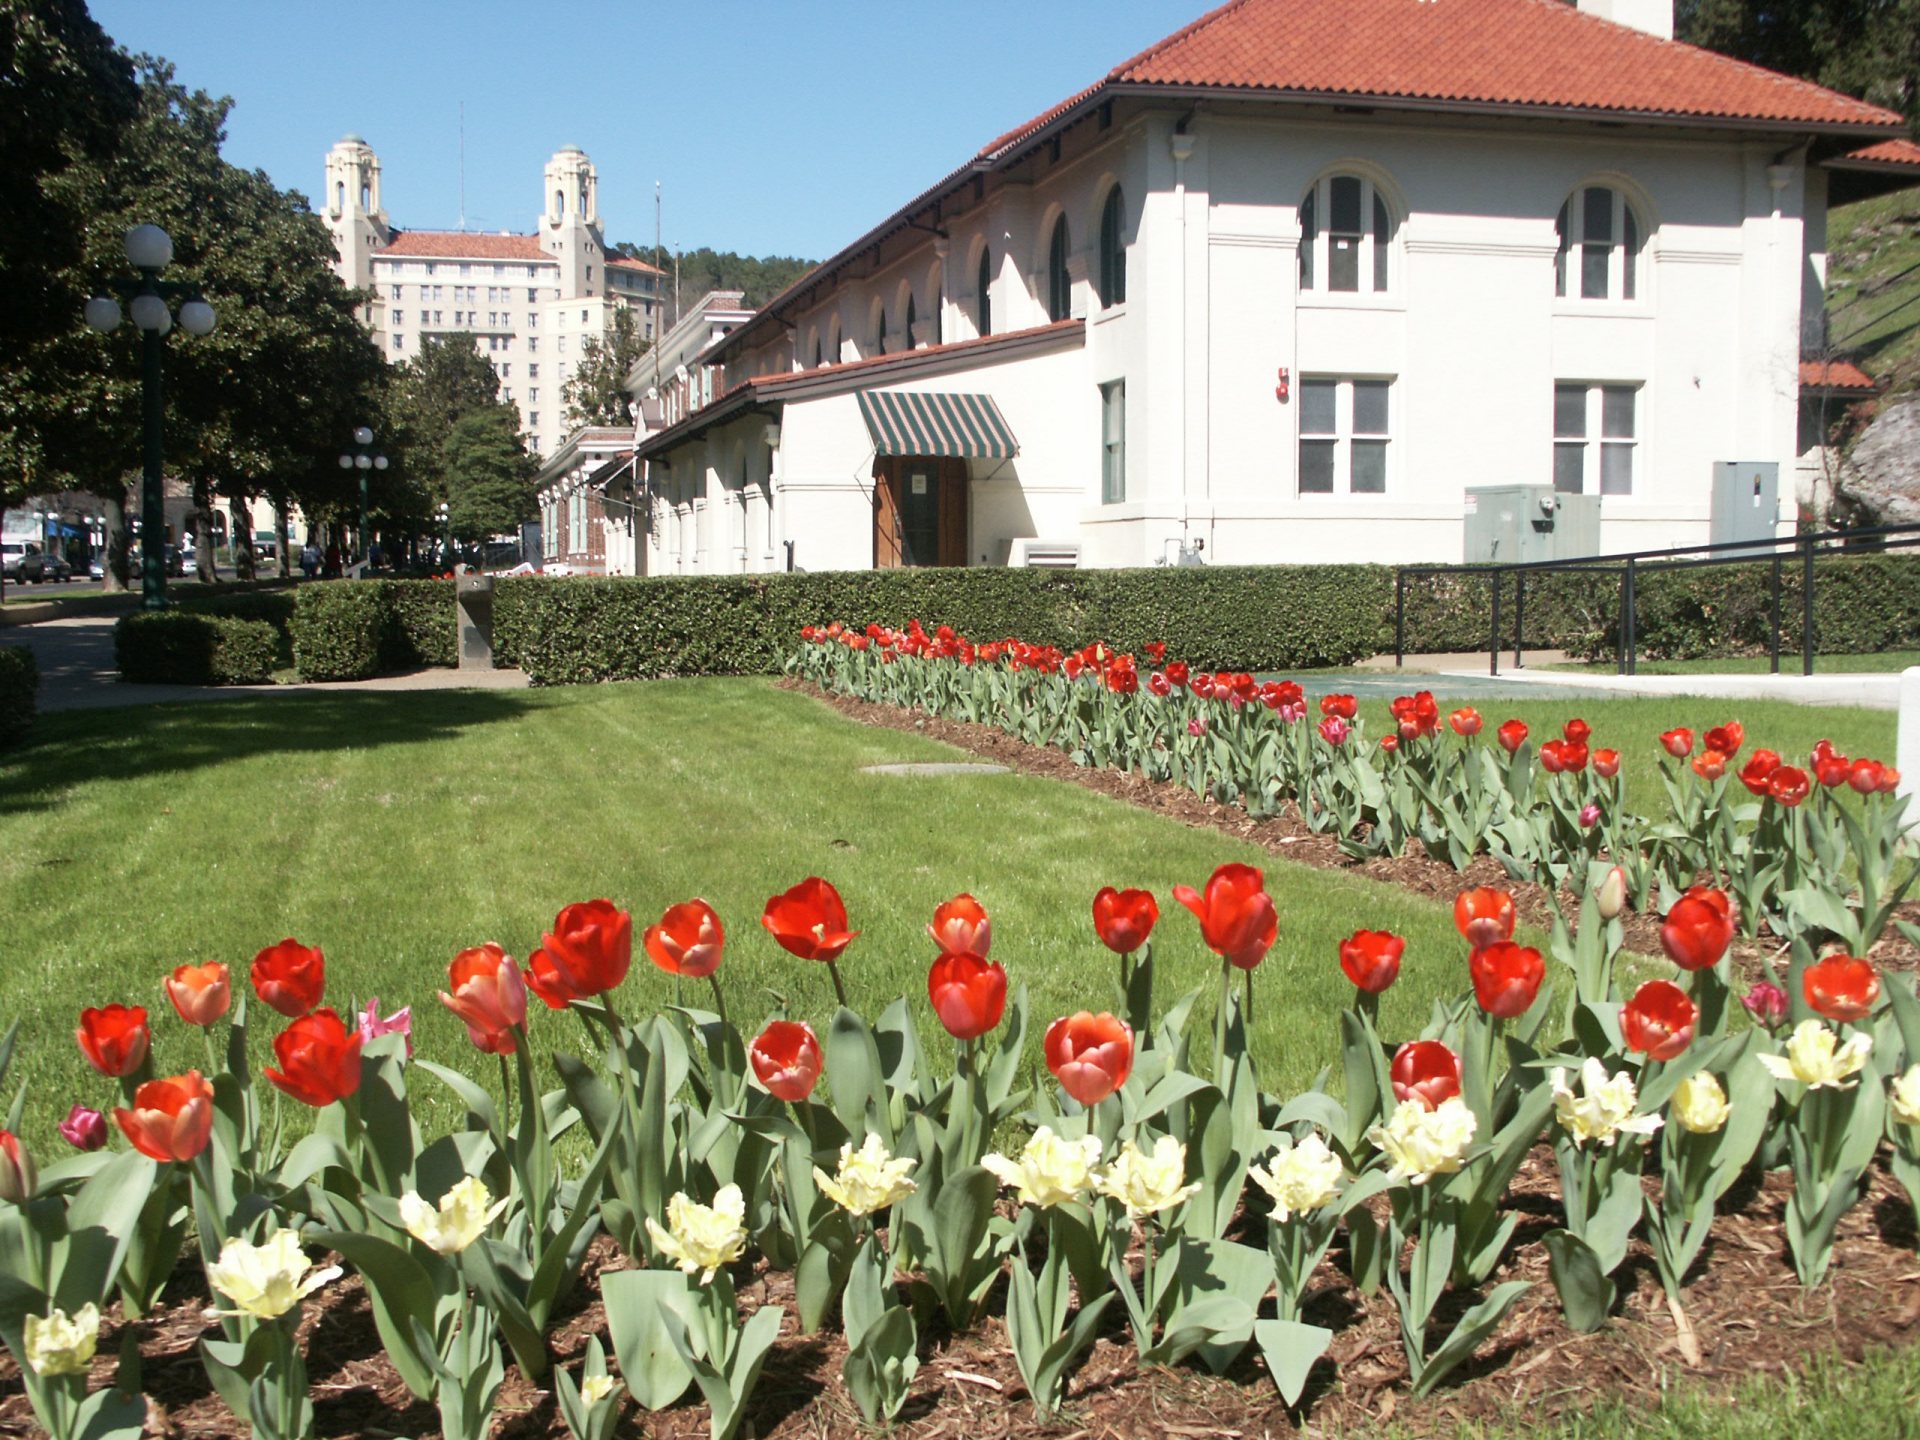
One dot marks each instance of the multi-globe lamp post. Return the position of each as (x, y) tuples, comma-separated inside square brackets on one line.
[(446, 524), (363, 459), (150, 250)]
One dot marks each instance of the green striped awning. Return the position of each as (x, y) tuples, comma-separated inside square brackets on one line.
[(908, 422)]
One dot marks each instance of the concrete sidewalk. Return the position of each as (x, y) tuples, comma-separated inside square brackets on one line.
[(1880, 691), (77, 672)]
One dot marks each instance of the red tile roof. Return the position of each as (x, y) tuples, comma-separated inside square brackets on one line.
[(1894, 154), (1524, 54), (1835, 375), (465, 245), (621, 262)]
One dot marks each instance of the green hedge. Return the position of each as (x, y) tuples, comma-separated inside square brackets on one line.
[(338, 629), (195, 647), (19, 692), (420, 628)]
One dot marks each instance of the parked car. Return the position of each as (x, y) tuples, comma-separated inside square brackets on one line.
[(26, 563)]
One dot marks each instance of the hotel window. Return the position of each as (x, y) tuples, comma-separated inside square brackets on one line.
[(1345, 429), (533, 395), (1595, 435), (583, 317), (1059, 285), (1113, 443), (399, 342), (423, 317), (506, 369), (560, 343), (533, 344), (533, 371), (436, 317), (396, 293), (983, 306), (1607, 234), (1346, 237), (533, 294), (533, 320), (910, 322), (880, 333), (507, 394), (1113, 250), (466, 269)]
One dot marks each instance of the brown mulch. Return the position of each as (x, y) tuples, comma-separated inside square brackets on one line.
[(1288, 837)]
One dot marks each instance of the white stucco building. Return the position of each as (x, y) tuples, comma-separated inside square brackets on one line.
[(1286, 286), (528, 300)]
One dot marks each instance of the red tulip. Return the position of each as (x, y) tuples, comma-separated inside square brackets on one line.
[(590, 947), (1710, 765), (1698, 929), (1465, 721), (1159, 684), (961, 927), (1484, 915), (489, 995), (786, 1056), (1658, 1021), (545, 981), (1865, 776), (1236, 915), (1506, 978), (1344, 707), (1576, 732), (1427, 1071), (1788, 785), (171, 1119), (1177, 674), (1830, 769), (809, 920), (1606, 763), (289, 977), (1841, 987), (1124, 918), (1512, 735), (1389, 744), (969, 994), (319, 1059), (1726, 738), (1090, 1055), (114, 1039), (687, 940), (1759, 770), (1678, 743), (200, 993), (1371, 959)]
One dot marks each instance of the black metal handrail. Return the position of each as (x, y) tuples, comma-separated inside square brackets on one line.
[(1630, 565)]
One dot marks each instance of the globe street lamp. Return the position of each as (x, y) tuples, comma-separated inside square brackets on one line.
[(150, 250), (362, 459), (446, 522)]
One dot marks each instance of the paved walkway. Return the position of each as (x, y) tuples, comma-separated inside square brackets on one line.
[(77, 672), (1872, 692)]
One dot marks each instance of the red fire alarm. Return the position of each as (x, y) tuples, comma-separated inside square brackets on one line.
[(1282, 386)]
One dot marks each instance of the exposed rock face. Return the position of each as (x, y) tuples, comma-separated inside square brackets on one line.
[(1882, 472)]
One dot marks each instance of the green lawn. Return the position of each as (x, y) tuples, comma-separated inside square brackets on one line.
[(1881, 662), (394, 829)]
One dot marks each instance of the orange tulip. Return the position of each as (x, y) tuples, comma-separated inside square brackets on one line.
[(1236, 915), (687, 940), (1484, 915), (171, 1119), (489, 995), (290, 977), (114, 1039), (961, 927), (1090, 1055), (1710, 765), (786, 1056), (1841, 987), (200, 993)]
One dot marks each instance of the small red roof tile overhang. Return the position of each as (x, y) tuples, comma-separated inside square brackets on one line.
[(1541, 58), (465, 245), (1873, 170), (622, 262), (1836, 377)]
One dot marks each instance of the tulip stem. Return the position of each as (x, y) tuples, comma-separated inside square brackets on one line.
[(1220, 1020), (506, 1104), (1249, 978), (839, 988)]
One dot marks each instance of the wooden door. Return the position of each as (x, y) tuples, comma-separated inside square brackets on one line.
[(954, 512), (886, 516)]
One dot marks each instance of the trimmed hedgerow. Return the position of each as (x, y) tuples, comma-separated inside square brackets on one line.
[(19, 692), (338, 629), (420, 627), (195, 647)]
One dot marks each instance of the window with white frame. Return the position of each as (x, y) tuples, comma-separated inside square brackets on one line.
[(1346, 237), (1113, 443), (1596, 434), (1346, 429), (1598, 257)]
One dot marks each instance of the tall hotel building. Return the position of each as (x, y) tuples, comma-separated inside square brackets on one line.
[(529, 301)]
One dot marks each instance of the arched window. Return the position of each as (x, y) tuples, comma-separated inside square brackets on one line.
[(910, 322), (583, 197), (1059, 286), (983, 306), (559, 203), (1346, 237), (366, 196), (818, 355), (339, 195), (1113, 250), (1601, 224), (880, 332)]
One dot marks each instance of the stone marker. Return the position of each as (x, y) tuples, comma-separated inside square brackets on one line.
[(473, 598)]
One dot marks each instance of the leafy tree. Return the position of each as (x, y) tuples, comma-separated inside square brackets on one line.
[(1865, 48), (488, 474), (704, 269), (597, 393), (444, 383)]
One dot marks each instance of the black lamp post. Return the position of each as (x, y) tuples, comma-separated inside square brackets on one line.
[(446, 521), (364, 460), (150, 250)]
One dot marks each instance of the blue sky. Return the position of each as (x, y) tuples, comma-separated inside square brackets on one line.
[(772, 128)]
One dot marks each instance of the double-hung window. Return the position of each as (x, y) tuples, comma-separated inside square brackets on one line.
[(1346, 429), (1595, 438), (1598, 257)]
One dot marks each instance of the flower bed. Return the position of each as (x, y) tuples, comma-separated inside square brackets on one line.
[(1142, 1193)]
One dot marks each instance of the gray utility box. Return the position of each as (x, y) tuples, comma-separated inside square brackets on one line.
[(1518, 524), (1746, 500)]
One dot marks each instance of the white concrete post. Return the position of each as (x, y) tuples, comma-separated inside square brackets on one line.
[(1908, 747)]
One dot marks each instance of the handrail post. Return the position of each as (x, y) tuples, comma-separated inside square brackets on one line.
[(1631, 601), (1519, 615), (1620, 629), (1773, 646), (1806, 609), (1493, 635), (1399, 617)]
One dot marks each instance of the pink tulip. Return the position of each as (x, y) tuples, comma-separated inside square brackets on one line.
[(84, 1128), (1767, 1003), (372, 1027)]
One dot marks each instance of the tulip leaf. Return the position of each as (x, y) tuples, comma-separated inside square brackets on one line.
[(101, 1222), (480, 1105), (1586, 1294), (642, 1306), (1473, 1327), (1291, 1349), (400, 1290)]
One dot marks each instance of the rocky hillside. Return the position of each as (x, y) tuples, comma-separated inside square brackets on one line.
[(1873, 319)]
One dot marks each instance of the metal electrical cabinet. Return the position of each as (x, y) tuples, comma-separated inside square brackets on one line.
[(1746, 500), (1518, 524)]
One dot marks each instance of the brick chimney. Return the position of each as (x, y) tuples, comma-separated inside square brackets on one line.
[(1653, 16)]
